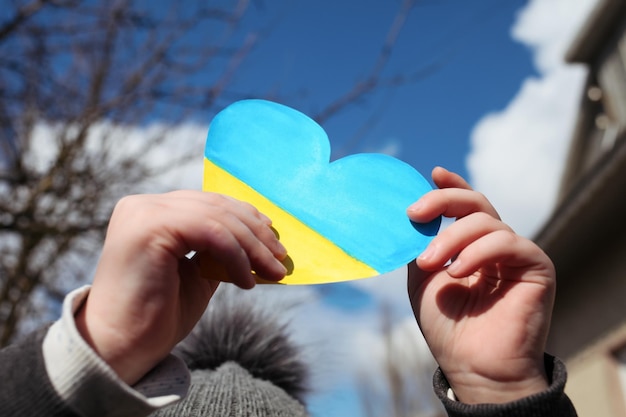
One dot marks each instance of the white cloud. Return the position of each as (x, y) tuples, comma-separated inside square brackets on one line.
[(517, 155), (181, 140), (549, 27), (155, 145)]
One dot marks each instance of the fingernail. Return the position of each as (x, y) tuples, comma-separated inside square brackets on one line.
[(428, 254), (282, 250), (415, 207), (282, 268), (455, 266)]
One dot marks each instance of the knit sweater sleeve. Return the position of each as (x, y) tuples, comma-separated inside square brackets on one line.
[(552, 402), (25, 390), (88, 384), (53, 372)]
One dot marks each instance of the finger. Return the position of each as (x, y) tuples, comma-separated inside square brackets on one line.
[(260, 225), (450, 202), (198, 290), (447, 179), (246, 206), (231, 232), (212, 270), (455, 238), (519, 257), (227, 208), (247, 244), (230, 259), (177, 198), (256, 221)]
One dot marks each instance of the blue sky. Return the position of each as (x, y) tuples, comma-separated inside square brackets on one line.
[(318, 50)]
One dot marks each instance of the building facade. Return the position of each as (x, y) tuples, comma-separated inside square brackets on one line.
[(586, 235)]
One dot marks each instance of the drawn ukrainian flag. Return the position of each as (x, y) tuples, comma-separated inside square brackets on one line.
[(339, 220)]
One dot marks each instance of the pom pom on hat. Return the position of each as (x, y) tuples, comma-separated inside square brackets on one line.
[(242, 363)]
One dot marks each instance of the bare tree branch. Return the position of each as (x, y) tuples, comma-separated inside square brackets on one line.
[(373, 79), (21, 16), (57, 192)]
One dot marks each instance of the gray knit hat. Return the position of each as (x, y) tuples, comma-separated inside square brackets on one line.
[(242, 364)]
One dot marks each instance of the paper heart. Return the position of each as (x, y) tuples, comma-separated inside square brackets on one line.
[(339, 221)]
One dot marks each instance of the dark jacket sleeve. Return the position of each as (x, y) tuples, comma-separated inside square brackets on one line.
[(553, 402), (25, 389)]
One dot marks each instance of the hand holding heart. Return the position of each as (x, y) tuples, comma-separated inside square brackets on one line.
[(485, 316), (147, 295)]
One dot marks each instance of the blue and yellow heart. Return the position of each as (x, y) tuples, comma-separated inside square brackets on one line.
[(339, 220)]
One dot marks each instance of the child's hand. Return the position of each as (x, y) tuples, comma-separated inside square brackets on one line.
[(486, 316), (147, 295)]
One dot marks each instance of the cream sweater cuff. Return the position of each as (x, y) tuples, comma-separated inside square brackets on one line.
[(91, 387)]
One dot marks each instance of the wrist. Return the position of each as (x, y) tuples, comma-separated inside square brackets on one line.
[(471, 388), (119, 356)]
